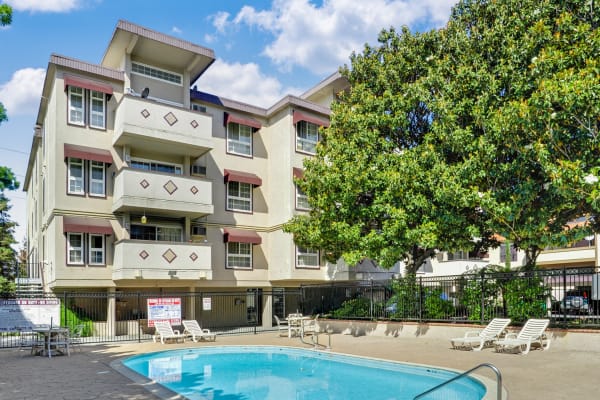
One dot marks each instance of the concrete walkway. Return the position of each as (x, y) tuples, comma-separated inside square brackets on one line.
[(562, 372)]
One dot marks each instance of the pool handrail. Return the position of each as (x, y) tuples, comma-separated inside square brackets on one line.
[(457, 377)]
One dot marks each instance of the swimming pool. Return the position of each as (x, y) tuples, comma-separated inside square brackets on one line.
[(281, 373)]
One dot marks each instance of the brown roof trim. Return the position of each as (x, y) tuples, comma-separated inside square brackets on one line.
[(87, 225), (240, 236), (88, 153), (244, 177), (231, 118), (83, 66)]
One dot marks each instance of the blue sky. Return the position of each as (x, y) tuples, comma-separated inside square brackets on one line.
[(265, 49)]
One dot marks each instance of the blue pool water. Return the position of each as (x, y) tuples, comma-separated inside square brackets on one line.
[(280, 373)]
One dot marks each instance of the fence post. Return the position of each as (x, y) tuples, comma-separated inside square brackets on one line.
[(371, 301), (65, 310), (420, 299), (139, 335), (482, 296), (564, 299)]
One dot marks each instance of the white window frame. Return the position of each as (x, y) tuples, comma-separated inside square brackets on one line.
[(306, 140), (100, 115), (238, 251), (97, 250), (71, 248), (234, 145), (234, 200), (73, 179), (74, 93), (159, 74), (94, 165), (152, 165), (303, 252), (301, 199)]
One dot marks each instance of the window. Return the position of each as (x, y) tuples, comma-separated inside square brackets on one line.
[(307, 136), (239, 196), (150, 165), (97, 179), (239, 255), (97, 109), (156, 232), (96, 173), (512, 251), (239, 139), (96, 249), (75, 248), (76, 181), (156, 73), (301, 199), (307, 258), (76, 112)]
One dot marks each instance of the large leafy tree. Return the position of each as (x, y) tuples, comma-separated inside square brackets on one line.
[(488, 126), (5, 19), (7, 253)]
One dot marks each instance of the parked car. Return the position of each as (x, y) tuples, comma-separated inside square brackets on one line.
[(575, 304)]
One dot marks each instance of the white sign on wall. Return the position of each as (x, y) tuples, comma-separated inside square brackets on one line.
[(206, 303), (164, 309), (25, 314)]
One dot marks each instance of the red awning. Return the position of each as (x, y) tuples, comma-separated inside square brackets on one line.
[(298, 173), (298, 116), (240, 236), (244, 177), (87, 225), (88, 153), (229, 118), (88, 84)]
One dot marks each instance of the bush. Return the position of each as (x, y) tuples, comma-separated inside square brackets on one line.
[(359, 307), (70, 319)]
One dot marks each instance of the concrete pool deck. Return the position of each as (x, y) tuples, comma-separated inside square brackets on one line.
[(565, 371)]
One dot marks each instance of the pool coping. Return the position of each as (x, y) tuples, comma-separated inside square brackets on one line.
[(164, 393)]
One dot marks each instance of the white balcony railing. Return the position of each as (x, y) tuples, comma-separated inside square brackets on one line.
[(141, 190), (148, 260), (154, 126)]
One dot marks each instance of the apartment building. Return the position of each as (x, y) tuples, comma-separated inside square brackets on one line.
[(138, 181)]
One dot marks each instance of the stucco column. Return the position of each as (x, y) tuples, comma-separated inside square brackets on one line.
[(267, 316), (111, 323)]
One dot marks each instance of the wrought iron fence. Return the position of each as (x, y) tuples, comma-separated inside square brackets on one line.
[(568, 297)]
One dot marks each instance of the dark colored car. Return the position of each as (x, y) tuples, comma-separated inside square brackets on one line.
[(575, 304)]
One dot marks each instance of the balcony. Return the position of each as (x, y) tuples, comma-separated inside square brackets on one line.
[(578, 254), (137, 190), (159, 127), (141, 260)]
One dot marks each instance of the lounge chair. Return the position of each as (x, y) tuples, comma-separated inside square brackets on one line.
[(283, 327), (531, 333), (165, 332), (310, 326), (477, 340), (193, 329)]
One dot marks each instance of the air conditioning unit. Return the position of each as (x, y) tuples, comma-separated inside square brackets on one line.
[(198, 170)]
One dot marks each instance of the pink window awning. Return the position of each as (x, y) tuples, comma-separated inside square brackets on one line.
[(231, 118), (87, 225), (244, 177), (299, 116), (87, 153), (298, 173), (88, 84), (240, 236)]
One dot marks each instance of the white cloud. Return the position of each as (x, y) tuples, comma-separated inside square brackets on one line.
[(176, 30), (219, 21), (242, 82), (321, 38), (21, 95), (44, 5)]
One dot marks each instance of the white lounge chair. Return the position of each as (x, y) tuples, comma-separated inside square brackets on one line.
[(477, 340), (165, 332), (310, 326), (193, 329), (533, 332), (283, 326)]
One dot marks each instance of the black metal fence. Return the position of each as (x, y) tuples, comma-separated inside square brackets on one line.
[(570, 298)]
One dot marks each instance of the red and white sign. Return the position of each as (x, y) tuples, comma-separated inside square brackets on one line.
[(164, 309)]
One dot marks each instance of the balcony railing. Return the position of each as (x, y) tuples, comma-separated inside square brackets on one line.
[(145, 260), (148, 191), (154, 126)]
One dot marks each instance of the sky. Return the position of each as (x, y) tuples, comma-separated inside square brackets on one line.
[(264, 49)]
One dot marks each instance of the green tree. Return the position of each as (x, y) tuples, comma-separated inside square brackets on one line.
[(7, 253), (5, 19)]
